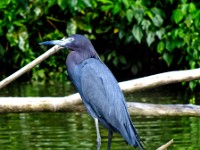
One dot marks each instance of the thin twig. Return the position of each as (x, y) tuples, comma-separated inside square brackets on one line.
[(165, 146)]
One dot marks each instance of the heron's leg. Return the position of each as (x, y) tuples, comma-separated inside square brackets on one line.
[(98, 134), (110, 134)]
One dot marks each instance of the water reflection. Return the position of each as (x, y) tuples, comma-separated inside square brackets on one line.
[(76, 131), (23, 89)]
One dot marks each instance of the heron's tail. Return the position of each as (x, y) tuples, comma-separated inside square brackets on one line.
[(132, 137)]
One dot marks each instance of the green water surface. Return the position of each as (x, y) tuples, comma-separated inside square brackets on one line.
[(63, 130)]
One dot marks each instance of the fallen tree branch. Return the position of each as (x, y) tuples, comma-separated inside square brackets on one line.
[(73, 103)]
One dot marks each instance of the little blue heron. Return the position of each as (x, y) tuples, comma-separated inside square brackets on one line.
[(98, 89)]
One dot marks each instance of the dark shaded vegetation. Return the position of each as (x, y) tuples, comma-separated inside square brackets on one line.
[(134, 38)]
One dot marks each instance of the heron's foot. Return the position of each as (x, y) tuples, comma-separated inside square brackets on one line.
[(110, 134), (98, 143), (98, 134)]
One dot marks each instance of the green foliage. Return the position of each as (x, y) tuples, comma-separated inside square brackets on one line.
[(181, 40), (132, 32)]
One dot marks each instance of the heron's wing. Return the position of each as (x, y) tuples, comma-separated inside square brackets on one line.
[(102, 94), (104, 100)]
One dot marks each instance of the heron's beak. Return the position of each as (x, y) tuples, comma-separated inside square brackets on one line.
[(62, 43)]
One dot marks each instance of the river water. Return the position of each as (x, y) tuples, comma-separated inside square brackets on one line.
[(64, 130)]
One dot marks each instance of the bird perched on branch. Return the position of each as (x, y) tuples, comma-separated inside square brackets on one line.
[(99, 89)]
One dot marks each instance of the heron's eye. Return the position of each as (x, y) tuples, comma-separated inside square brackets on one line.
[(71, 39), (68, 40)]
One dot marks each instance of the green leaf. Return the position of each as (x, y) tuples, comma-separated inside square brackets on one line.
[(122, 59), (177, 15), (157, 20), (18, 23), (121, 34), (168, 58), (137, 33), (41, 73), (115, 61), (160, 33), (192, 85), (129, 38), (134, 69), (145, 24), (117, 8), (160, 47), (158, 11), (150, 38), (192, 8), (87, 3), (150, 14), (63, 4), (157, 16), (170, 45), (193, 65), (106, 7), (189, 21), (4, 4), (12, 38), (106, 1), (103, 29), (126, 3), (129, 15), (71, 27), (139, 14)]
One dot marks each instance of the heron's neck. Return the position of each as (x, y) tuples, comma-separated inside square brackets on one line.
[(76, 57)]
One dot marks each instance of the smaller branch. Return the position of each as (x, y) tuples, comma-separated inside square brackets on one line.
[(29, 66), (51, 23), (159, 79), (165, 146)]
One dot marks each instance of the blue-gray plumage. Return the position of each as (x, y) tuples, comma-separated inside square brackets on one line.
[(98, 88)]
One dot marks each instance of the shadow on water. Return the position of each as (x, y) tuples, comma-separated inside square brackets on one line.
[(76, 130)]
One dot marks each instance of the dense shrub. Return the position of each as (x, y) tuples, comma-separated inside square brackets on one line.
[(139, 37)]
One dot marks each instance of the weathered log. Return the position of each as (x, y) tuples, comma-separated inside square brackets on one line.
[(73, 103), (41, 104), (164, 109)]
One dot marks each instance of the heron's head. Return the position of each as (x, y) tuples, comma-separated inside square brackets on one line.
[(75, 42)]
